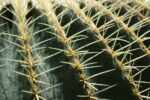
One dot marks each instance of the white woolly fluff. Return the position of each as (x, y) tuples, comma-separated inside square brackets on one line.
[(38, 3), (3, 3), (35, 4), (147, 1)]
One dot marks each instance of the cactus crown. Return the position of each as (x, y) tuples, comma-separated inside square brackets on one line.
[(74, 50)]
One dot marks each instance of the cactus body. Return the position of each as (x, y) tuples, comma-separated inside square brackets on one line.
[(74, 50)]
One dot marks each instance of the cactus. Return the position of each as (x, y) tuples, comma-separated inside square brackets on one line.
[(74, 50)]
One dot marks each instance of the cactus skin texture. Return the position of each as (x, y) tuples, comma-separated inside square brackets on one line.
[(74, 50)]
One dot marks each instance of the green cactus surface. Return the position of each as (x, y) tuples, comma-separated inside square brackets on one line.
[(74, 50)]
